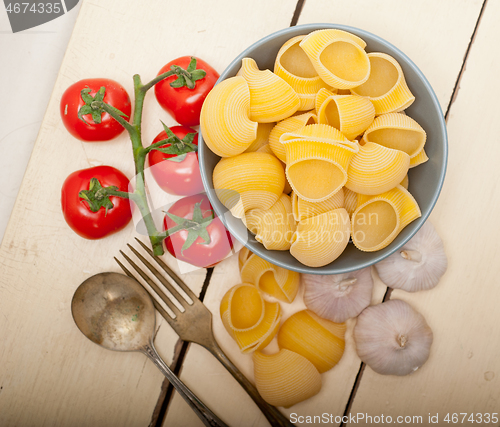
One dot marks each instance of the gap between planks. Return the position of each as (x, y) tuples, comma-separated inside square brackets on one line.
[(454, 95), (456, 88)]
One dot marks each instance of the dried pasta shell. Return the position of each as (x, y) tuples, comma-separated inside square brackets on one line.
[(288, 125), (376, 169), (273, 227), (271, 98), (262, 139), (293, 66), (248, 181), (321, 97), (303, 209), (317, 158), (248, 318), (397, 131), (275, 281), (350, 200), (386, 87), (321, 239), (285, 378), (419, 159), (320, 341), (351, 114), (243, 256), (224, 120), (338, 57), (379, 219)]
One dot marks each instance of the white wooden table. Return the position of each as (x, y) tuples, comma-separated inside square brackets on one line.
[(50, 375)]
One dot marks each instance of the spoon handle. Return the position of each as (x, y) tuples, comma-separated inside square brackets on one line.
[(205, 414)]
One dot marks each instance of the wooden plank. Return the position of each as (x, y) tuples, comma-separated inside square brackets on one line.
[(52, 375), (434, 34), (463, 371), (408, 25)]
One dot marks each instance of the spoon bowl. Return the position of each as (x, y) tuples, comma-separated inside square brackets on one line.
[(114, 311)]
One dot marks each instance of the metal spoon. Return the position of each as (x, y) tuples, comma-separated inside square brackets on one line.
[(115, 312)]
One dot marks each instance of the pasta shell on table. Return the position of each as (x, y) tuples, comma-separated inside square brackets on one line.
[(293, 65), (321, 97), (303, 209), (273, 227), (378, 220), (351, 114), (338, 57), (248, 181), (321, 239), (397, 131), (420, 158), (250, 320), (386, 87), (275, 281), (376, 169), (271, 98), (225, 118), (317, 158), (288, 125), (285, 378), (350, 200), (319, 340), (263, 131)]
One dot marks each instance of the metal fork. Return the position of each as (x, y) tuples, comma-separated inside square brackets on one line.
[(194, 324)]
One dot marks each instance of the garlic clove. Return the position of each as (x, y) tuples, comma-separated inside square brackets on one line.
[(392, 338), (418, 265), (338, 297)]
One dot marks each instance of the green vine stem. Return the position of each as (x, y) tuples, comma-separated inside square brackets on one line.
[(95, 106)]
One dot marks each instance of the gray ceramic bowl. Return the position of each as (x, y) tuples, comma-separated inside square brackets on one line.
[(426, 180)]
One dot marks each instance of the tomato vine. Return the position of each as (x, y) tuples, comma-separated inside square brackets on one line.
[(95, 106)]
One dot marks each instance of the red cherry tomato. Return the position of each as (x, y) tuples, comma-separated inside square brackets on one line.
[(77, 213), (72, 101), (207, 244), (180, 178), (182, 103)]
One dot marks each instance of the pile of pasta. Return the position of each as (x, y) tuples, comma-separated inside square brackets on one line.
[(317, 152), (308, 344)]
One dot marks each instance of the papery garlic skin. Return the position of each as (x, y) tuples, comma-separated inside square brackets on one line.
[(338, 297), (418, 265), (392, 338)]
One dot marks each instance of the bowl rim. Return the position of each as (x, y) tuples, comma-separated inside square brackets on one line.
[(221, 211)]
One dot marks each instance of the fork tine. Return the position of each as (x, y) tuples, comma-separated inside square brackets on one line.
[(180, 298), (157, 305), (153, 285), (170, 272)]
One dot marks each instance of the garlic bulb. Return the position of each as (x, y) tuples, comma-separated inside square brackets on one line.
[(338, 297), (418, 265), (392, 338)]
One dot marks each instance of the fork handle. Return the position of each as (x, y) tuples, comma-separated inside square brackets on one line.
[(205, 414), (273, 415)]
